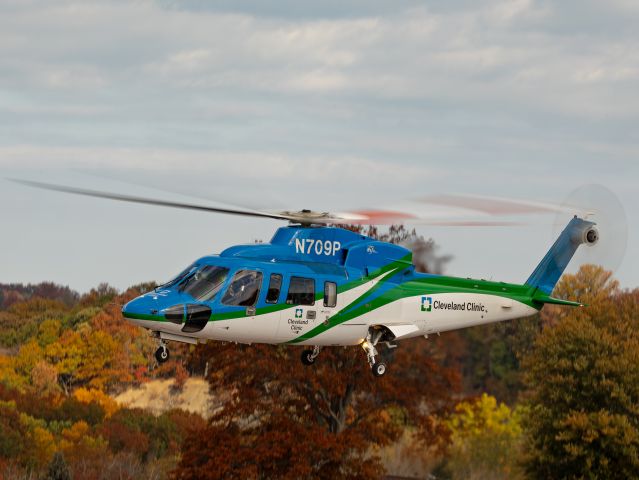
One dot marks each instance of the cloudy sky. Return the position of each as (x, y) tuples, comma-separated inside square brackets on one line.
[(327, 105)]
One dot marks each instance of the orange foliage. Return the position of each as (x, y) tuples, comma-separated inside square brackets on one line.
[(77, 443), (44, 378), (286, 420), (109, 405), (181, 376)]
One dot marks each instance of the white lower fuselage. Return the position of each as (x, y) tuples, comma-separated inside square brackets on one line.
[(406, 317)]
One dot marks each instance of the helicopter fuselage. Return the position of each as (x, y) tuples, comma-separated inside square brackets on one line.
[(319, 286)]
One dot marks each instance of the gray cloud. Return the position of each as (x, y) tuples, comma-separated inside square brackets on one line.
[(334, 102)]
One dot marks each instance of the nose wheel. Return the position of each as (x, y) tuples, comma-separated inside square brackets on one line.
[(162, 353)]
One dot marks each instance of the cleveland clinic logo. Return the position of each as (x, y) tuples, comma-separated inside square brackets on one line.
[(427, 304)]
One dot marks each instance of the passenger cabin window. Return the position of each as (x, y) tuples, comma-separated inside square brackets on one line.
[(244, 289), (274, 287), (204, 283), (301, 291), (330, 294)]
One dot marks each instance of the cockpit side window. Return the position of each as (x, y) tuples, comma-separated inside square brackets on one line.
[(274, 287), (204, 283), (243, 289), (301, 291)]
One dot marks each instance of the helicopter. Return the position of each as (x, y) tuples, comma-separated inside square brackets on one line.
[(317, 285)]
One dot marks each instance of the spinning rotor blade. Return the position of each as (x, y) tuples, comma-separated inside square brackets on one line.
[(466, 211), (147, 201), (307, 217), (597, 204), (381, 217), (492, 205)]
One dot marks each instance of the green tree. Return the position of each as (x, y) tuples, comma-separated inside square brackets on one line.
[(21, 321), (13, 431), (584, 385), (490, 356)]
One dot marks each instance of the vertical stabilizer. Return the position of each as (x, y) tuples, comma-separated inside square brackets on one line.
[(552, 266)]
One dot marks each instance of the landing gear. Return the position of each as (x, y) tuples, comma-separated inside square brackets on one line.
[(377, 368), (309, 356), (162, 353)]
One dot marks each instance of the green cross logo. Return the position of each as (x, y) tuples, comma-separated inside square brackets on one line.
[(427, 304)]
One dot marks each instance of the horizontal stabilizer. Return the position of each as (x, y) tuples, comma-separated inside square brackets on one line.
[(540, 297)]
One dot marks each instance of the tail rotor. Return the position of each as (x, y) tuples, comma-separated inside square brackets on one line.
[(605, 244)]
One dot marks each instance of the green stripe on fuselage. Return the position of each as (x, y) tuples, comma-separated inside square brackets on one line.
[(441, 284), (427, 285), (142, 316)]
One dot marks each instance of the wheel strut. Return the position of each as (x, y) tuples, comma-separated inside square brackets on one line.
[(373, 336), (309, 356)]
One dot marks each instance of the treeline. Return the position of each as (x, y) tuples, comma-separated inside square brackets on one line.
[(16, 292), (551, 396), (64, 353)]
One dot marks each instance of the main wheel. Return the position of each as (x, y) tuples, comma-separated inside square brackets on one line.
[(307, 357), (162, 354), (378, 369)]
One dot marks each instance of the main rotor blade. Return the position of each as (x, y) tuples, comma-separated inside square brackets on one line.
[(492, 205), (308, 217), (385, 217), (147, 201)]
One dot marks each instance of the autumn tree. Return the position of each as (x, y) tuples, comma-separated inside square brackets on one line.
[(21, 321), (485, 440), (18, 292), (583, 384), (285, 420)]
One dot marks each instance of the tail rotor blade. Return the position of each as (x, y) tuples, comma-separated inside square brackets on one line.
[(597, 204)]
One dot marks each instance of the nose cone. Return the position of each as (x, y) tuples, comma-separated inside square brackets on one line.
[(144, 307)]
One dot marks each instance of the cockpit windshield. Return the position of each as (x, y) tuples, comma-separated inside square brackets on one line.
[(204, 283), (179, 277)]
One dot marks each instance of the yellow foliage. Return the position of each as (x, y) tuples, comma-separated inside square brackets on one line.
[(485, 437), (49, 331), (75, 433), (43, 446), (483, 416), (77, 443), (84, 395), (9, 376), (29, 355)]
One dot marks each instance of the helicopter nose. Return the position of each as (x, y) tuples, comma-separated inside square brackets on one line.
[(140, 308)]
